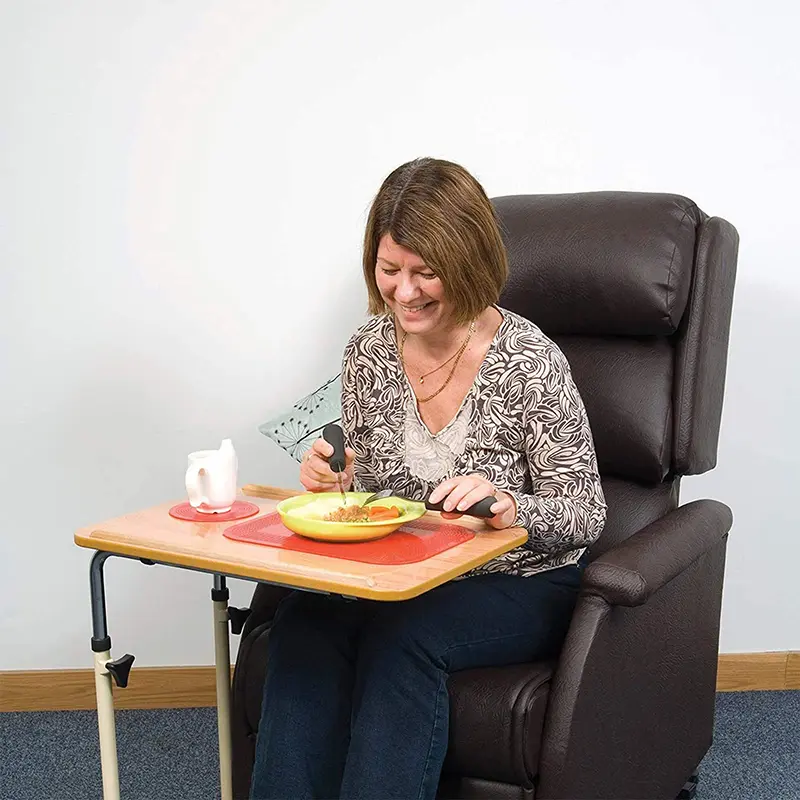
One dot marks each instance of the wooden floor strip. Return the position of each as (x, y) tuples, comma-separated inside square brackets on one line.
[(190, 687)]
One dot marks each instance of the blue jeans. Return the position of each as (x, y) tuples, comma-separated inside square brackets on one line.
[(355, 698)]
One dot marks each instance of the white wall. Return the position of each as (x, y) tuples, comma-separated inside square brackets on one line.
[(183, 189)]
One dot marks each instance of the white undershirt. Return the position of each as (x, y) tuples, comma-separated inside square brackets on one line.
[(432, 457)]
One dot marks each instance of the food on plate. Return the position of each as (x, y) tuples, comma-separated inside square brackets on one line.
[(381, 513), (362, 514), (348, 514)]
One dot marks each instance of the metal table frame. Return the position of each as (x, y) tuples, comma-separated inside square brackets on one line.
[(107, 670)]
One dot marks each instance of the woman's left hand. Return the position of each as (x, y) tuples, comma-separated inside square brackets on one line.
[(464, 491)]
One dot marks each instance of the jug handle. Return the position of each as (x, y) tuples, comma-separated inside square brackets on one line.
[(196, 498)]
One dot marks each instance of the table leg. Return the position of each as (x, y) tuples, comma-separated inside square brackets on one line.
[(222, 659), (101, 647)]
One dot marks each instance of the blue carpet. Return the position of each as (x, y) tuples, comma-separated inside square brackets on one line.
[(172, 754)]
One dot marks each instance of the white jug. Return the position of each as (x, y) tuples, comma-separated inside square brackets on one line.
[(211, 479)]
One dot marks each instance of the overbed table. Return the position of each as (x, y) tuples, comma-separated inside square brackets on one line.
[(154, 537)]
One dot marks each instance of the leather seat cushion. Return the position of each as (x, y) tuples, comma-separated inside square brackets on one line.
[(496, 715)]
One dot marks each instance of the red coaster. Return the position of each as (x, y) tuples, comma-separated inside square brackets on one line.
[(414, 542), (239, 510)]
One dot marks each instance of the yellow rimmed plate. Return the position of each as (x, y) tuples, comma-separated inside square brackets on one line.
[(305, 515)]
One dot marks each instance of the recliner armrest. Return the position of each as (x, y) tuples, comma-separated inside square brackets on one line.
[(630, 573), (636, 676)]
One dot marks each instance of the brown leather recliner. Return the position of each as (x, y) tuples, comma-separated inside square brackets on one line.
[(637, 290)]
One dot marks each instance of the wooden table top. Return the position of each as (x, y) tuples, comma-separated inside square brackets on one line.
[(155, 535)]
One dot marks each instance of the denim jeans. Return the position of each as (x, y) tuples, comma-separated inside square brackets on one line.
[(355, 699)]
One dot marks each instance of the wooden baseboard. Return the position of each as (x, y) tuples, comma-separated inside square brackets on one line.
[(73, 689), (192, 687), (792, 671), (743, 672)]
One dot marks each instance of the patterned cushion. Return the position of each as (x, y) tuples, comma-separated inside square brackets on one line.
[(296, 430)]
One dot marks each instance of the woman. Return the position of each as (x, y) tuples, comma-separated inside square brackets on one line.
[(443, 394)]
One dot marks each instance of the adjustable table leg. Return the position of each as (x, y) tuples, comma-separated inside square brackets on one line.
[(222, 659), (104, 671)]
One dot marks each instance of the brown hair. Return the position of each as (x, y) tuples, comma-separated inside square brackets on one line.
[(439, 211)]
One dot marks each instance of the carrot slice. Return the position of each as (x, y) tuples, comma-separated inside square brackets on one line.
[(379, 513)]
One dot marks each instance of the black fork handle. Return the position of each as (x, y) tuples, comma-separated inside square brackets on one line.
[(479, 509), (334, 436)]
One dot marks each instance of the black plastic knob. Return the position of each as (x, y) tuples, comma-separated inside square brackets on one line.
[(238, 617), (120, 669)]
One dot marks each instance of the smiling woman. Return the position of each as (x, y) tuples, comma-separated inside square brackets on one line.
[(449, 397), (433, 235)]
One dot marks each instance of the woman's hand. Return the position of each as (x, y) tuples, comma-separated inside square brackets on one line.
[(464, 491), (316, 474)]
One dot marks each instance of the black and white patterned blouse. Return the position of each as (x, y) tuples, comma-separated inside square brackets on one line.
[(522, 425)]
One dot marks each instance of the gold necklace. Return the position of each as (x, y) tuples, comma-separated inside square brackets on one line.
[(421, 378), (457, 356)]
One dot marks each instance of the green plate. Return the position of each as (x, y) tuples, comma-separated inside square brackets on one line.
[(304, 514)]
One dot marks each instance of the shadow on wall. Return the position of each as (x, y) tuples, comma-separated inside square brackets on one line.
[(758, 470), (759, 453)]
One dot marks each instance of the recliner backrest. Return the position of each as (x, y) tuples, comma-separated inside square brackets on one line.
[(637, 290)]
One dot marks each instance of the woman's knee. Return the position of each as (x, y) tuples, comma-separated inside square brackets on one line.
[(310, 625), (295, 622), (397, 632)]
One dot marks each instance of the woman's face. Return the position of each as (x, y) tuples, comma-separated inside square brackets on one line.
[(411, 290)]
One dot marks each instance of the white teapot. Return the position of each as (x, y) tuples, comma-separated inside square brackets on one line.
[(211, 479)]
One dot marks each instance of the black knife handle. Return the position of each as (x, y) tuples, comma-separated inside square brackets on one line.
[(334, 436), (479, 509)]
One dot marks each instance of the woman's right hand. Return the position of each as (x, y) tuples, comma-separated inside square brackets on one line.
[(316, 474)]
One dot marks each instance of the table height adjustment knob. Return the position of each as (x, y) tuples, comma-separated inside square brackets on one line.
[(238, 617), (120, 669)]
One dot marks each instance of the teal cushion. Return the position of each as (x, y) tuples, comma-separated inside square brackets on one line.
[(296, 430)]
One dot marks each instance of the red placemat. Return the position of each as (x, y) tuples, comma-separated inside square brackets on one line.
[(414, 542), (239, 510)]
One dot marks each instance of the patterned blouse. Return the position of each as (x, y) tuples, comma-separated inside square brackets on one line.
[(522, 425)]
